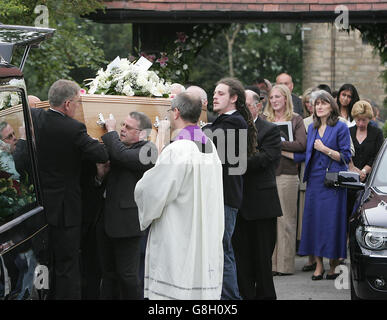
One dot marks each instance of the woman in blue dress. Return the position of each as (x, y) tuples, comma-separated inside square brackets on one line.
[(324, 219)]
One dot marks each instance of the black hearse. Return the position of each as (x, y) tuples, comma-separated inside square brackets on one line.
[(368, 233), (24, 259)]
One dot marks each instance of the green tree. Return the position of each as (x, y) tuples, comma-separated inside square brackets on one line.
[(112, 40), (376, 35), (72, 47), (258, 51)]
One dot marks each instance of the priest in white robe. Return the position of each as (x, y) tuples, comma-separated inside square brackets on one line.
[(181, 198)]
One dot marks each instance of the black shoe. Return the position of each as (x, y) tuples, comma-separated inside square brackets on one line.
[(309, 267), (318, 277), (332, 276), (284, 274), (274, 273)]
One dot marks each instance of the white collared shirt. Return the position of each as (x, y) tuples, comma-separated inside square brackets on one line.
[(57, 111), (230, 112)]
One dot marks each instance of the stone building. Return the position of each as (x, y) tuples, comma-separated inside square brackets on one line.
[(336, 57)]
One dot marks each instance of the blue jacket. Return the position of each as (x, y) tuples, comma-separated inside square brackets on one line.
[(336, 138)]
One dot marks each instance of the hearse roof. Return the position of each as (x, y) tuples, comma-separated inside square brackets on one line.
[(12, 36)]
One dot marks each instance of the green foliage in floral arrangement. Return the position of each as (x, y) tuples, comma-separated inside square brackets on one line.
[(385, 130)]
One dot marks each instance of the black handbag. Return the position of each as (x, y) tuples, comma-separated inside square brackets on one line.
[(331, 178)]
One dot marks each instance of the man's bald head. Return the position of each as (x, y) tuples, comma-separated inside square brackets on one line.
[(253, 102), (32, 101), (200, 93), (286, 80)]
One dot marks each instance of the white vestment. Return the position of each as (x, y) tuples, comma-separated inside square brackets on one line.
[(181, 197)]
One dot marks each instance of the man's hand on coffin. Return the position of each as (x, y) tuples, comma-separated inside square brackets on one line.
[(110, 124)]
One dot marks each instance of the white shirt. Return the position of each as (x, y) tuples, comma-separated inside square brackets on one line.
[(230, 112)]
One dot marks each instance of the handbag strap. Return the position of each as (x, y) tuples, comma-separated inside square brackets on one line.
[(342, 159)]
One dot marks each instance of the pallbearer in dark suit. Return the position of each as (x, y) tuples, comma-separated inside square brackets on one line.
[(92, 205), (256, 226), (61, 143), (119, 232)]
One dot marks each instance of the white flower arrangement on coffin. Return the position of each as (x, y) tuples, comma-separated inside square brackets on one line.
[(9, 99), (122, 77)]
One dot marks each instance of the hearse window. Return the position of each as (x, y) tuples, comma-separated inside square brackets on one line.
[(381, 172), (17, 191)]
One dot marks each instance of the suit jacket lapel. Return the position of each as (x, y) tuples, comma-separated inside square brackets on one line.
[(259, 123), (220, 117)]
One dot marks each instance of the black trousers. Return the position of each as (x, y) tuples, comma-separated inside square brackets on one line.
[(65, 249), (120, 261), (90, 263), (254, 242)]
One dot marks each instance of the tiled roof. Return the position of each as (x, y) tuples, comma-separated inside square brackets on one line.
[(248, 5), (244, 10)]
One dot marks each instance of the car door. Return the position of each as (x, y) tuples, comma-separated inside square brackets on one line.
[(24, 259)]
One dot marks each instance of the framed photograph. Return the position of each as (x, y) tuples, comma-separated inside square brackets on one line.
[(286, 130)]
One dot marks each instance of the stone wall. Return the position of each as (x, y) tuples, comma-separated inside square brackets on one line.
[(335, 57)]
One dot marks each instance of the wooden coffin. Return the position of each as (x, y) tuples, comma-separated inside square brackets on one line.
[(120, 107)]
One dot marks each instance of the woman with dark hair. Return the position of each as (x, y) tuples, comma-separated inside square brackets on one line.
[(346, 98), (324, 219)]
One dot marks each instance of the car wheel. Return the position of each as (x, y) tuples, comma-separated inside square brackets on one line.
[(353, 293)]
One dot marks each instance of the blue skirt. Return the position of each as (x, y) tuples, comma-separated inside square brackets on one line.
[(324, 222)]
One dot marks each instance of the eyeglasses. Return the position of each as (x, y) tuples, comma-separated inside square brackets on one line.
[(128, 127), (10, 136), (76, 101), (178, 109)]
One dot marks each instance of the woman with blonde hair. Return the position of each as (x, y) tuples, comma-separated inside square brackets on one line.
[(280, 109), (307, 107), (367, 140)]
